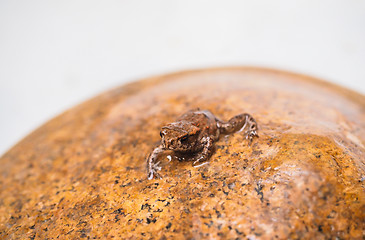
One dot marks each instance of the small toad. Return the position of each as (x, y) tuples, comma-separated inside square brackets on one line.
[(193, 134)]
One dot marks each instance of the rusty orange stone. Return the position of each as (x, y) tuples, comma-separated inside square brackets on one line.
[(83, 174)]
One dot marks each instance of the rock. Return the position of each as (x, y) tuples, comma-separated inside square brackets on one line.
[(83, 174)]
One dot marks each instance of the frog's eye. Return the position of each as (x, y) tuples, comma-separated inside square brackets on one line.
[(184, 138)]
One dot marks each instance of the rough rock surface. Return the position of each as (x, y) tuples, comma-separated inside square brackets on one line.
[(83, 174)]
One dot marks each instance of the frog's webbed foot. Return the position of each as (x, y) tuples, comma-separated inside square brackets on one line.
[(152, 165), (250, 134), (204, 155), (153, 171)]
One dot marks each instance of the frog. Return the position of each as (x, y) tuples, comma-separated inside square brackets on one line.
[(193, 135)]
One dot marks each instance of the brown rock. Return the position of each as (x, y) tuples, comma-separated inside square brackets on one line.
[(83, 173)]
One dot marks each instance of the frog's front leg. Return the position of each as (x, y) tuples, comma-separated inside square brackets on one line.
[(152, 164), (237, 123), (205, 153)]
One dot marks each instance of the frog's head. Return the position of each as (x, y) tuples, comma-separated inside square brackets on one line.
[(179, 136)]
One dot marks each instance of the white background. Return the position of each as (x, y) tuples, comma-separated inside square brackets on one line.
[(55, 54)]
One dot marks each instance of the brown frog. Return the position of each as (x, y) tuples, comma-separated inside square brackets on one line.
[(193, 135)]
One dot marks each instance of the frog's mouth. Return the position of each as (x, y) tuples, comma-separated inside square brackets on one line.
[(168, 145), (169, 137), (164, 144), (173, 145), (176, 146)]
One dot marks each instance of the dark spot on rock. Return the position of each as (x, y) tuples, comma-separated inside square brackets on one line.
[(146, 206), (119, 211), (150, 220), (258, 234), (296, 142), (258, 189), (83, 234), (168, 226), (209, 216), (218, 213), (238, 232), (203, 176), (211, 195), (209, 224), (213, 184), (126, 184), (320, 228)]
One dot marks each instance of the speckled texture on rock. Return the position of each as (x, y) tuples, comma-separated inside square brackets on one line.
[(83, 174)]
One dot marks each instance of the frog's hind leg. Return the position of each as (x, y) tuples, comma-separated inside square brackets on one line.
[(238, 123)]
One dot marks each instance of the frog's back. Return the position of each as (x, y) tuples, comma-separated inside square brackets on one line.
[(199, 118), (206, 121)]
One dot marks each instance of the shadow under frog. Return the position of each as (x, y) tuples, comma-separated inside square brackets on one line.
[(192, 136)]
